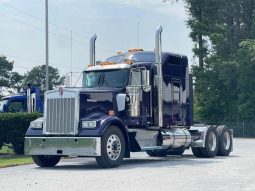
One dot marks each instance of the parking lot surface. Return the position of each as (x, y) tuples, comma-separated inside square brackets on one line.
[(141, 172)]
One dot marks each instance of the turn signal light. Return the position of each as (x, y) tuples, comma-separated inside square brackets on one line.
[(112, 113), (128, 62)]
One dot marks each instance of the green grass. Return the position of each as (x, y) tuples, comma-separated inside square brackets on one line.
[(14, 160), (6, 149), (8, 158)]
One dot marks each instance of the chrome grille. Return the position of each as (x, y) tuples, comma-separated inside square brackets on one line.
[(60, 116)]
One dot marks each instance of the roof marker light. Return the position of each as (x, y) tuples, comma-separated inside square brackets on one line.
[(135, 49), (107, 63)]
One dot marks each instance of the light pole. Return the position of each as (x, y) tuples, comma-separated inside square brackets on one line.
[(47, 44)]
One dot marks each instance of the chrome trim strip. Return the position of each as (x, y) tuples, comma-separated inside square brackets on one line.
[(65, 146)]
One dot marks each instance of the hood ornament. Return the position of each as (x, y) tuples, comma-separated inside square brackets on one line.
[(60, 91)]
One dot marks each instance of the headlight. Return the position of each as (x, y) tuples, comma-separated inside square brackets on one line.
[(37, 124), (89, 124)]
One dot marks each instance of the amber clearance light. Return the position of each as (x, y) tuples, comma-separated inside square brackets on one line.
[(135, 49), (111, 113), (107, 63)]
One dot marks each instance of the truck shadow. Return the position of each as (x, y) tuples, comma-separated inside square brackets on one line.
[(79, 164)]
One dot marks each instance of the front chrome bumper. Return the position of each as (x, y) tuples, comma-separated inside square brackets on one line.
[(65, 146)]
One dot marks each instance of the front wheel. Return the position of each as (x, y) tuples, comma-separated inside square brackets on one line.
[(112, 148), (46, 160)]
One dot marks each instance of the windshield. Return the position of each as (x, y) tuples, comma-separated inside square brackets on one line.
[(115, 59), (106, 78), (2, 103)]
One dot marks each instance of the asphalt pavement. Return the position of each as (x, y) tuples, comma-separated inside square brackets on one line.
[(141, 172)]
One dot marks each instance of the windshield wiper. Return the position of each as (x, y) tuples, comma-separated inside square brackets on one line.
[(104, 81), (100, 80)]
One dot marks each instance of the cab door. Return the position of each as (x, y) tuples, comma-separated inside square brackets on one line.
[(139, 91)]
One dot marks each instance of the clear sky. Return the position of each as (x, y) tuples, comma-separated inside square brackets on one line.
[(22, 35)]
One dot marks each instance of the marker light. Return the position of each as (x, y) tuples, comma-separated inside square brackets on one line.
[(107, 63), (135, 49)]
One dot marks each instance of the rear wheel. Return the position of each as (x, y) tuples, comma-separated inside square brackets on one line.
[(225, 141), (196, 152), (211, 145), (46, 160), (112, 148)]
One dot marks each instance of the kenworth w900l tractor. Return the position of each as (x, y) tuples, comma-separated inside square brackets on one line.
[(134, 101)]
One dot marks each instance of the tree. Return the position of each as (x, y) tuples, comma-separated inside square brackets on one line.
[(5, 71), (16, 80), (224, 74), (246, 80), (36, 77), (8, 79)]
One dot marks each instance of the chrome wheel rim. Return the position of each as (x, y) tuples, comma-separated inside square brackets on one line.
[(113, 147), (226, 141), (212, 141)]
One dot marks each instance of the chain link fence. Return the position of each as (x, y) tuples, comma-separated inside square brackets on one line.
[(242, 129)]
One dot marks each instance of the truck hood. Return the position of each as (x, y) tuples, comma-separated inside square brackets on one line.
[(96, 103), (86, 90), (92, 101)]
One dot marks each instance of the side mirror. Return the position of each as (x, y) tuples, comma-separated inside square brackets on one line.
[(146, 80)]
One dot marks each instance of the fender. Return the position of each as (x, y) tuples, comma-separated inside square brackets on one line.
[(115, 121)]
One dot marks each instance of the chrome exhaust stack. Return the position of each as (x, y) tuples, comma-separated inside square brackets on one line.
[(93, 50), (29, 100), (158, 59)]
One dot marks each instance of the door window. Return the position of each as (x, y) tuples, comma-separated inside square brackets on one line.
[(17, 106), (136, 77), (176, 92)]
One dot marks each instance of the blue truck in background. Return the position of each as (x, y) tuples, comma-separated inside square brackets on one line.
[(25, 101), (136, 101)]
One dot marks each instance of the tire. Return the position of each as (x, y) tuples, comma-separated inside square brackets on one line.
[(112, 148), (157, 153), (18, 148), (211, 145), (46, 160), (196, 152), (225, 141)]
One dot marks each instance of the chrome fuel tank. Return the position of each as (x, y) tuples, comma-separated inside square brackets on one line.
[(176, 137)]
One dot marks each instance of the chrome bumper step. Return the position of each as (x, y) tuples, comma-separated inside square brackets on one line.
[(65, 146)]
